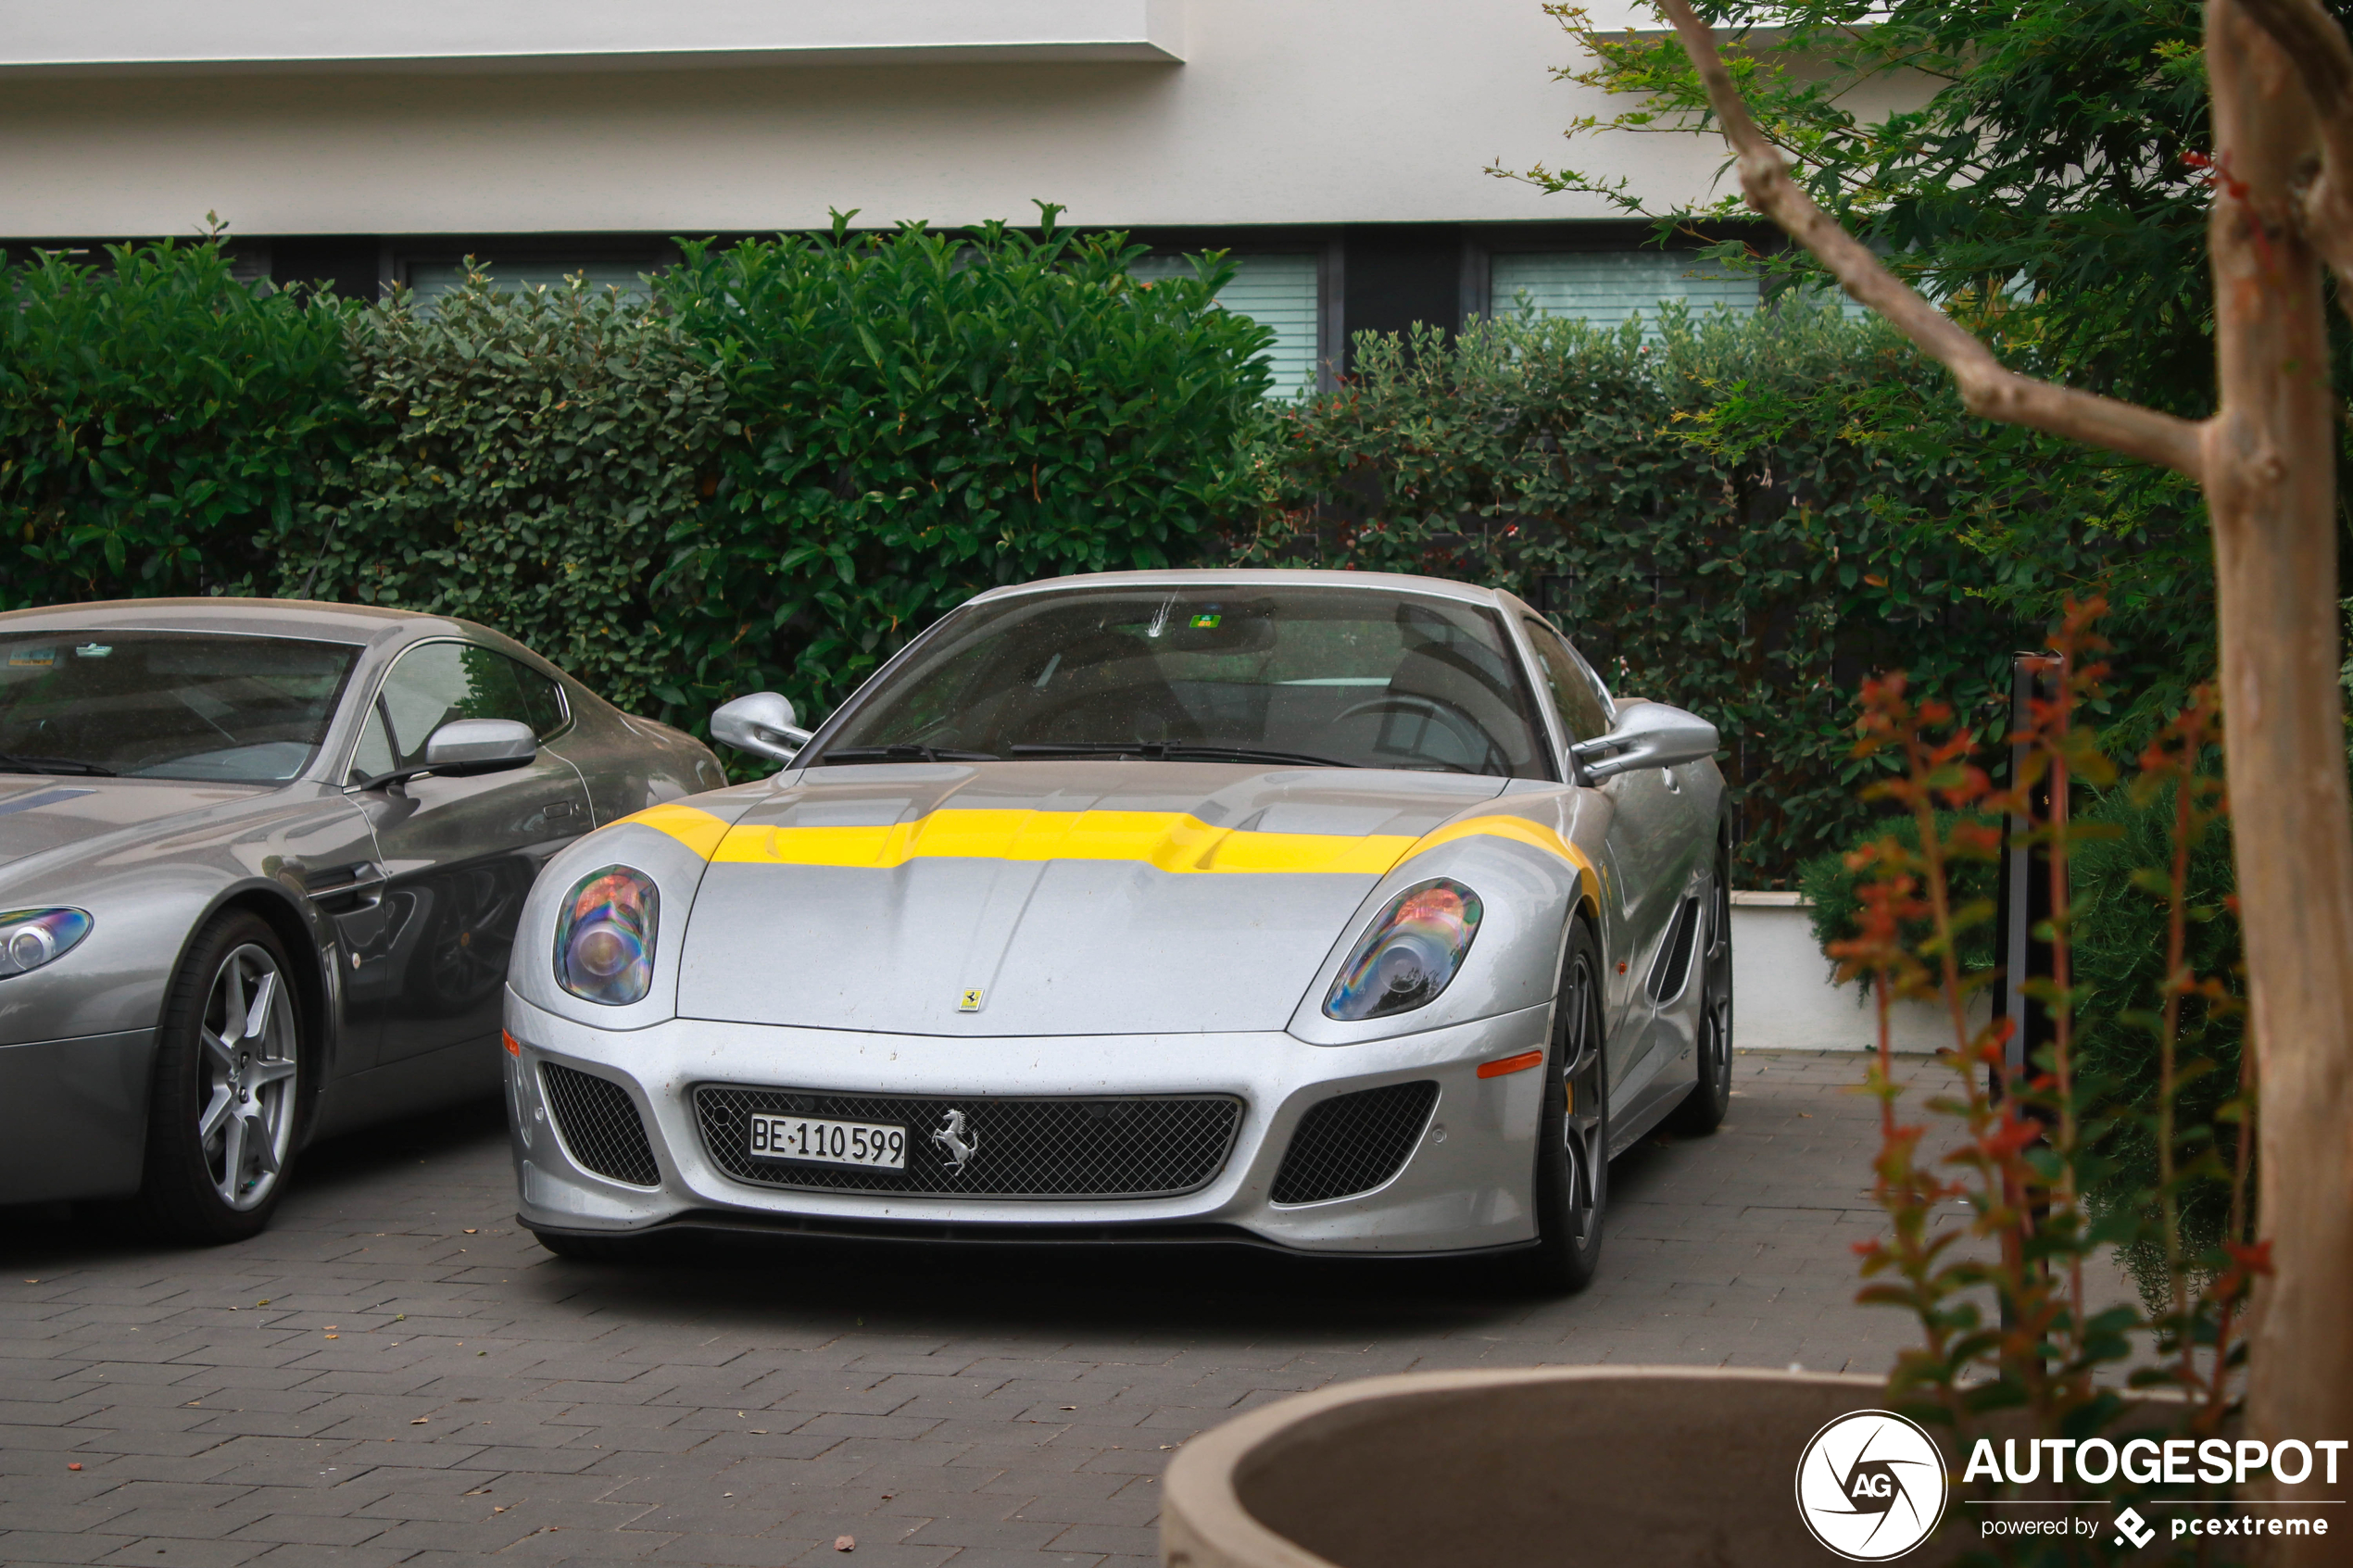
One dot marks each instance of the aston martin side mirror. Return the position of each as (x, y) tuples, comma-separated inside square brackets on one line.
[(465, 746), (1647, 734), (761, 724)]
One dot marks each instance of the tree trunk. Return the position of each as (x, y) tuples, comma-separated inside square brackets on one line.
[(2269, 481)]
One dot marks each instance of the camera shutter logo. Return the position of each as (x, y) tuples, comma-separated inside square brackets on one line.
[(1871, 1486)]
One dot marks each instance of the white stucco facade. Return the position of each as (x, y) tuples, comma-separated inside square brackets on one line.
[(137, 116)]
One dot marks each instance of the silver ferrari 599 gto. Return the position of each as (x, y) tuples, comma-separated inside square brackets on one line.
[(260, 863), (1330, 911)]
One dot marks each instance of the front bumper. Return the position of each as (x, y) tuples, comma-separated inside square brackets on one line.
[(1465, 1185), (73, 1116)]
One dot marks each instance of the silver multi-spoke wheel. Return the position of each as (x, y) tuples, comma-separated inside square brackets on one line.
[(246, 1079), (227, 1108)]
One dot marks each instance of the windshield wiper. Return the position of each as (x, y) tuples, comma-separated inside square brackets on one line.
[(904, 753), (53, 765), (1175, 751)]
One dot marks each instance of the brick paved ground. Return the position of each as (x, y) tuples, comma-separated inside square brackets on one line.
[(394, 1375)]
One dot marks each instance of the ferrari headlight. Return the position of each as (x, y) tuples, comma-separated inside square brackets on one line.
[(1410, 954), (605, 937), (29, 938)]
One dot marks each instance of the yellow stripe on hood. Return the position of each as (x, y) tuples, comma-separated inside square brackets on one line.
[(1171, 841)]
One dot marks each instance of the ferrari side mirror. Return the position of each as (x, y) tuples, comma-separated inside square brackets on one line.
[(761, 724), (1647, 734)]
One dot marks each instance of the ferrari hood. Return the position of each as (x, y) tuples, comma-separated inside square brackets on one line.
[(41, 812), (1042, 897)]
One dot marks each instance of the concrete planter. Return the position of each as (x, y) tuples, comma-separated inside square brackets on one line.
[(1549, 1468)]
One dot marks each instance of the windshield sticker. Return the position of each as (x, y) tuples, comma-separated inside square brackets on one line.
[(33, 659)]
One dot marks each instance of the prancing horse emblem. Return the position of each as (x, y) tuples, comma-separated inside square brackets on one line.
[(956, 1136)]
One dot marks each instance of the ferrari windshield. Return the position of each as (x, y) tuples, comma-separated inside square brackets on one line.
[(166, 705), (1309, 676)]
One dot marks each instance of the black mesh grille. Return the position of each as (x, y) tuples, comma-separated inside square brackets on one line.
[(600, 1127), (1353, 1142), (1131, 1146)]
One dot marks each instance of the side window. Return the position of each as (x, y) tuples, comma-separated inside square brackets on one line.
[(1575, 695), (430, 685)]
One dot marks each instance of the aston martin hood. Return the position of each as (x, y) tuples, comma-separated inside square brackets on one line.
[(41, 812), (1046, 897)]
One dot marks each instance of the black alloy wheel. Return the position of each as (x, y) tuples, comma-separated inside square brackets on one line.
[(1572, 1154), (1703, 1108)]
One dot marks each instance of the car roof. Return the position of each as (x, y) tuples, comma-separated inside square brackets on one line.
[(1255, 577), (279, 618)]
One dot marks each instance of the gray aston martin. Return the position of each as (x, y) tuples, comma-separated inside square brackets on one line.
[(1329, 911), (260, 865)]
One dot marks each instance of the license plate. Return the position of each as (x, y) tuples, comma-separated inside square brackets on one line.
[(829, 1143)]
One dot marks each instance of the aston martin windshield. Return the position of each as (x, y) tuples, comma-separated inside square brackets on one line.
[(167, 704), (1290, 676)]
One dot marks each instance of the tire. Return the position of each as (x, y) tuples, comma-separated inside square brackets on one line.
[(226, 1099), (597, 1248), (1572, 1151), (1703, 1108)]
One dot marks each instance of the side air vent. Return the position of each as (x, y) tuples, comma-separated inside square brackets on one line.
[(600, 1125), (1673, 969), (1353, 1142)]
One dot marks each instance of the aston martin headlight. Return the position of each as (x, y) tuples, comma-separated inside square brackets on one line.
[(29, 938), (605, 937), (1410, 954)]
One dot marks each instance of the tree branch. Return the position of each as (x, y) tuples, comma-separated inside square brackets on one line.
[(1988, 389), (2316, 47)]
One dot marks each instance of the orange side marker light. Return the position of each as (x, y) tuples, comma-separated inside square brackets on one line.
[(514, 1047), (1503, 1065)]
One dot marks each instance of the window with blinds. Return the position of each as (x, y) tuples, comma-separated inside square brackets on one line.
[(430, 281), (1607, 287), (1279, 290)]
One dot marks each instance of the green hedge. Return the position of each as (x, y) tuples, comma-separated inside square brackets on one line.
[(1725, 514), (919, 416), (158, 421), (530, 459)]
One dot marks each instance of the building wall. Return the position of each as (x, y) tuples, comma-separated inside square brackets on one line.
[(1370, 112)]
